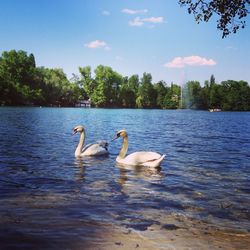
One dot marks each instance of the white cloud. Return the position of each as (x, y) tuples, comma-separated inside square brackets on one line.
[(153, 19), (140, 21), (181, 62), (133, 12), (105, 13), (97, 44), (136, 22)]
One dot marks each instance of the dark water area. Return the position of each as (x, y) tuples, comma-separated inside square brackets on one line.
[(50, 198)]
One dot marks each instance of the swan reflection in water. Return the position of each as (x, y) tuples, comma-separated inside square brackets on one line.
[(89, 163), (130, 173), (81, 169)]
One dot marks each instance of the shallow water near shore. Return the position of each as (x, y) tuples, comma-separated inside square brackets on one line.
[(50, 199)]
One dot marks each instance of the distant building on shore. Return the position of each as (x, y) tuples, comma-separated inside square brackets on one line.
[(83, 104), (215, 110)]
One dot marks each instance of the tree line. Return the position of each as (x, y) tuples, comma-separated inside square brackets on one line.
[(23, 83)]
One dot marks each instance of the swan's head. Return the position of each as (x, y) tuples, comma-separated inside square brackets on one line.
[(78, 129), (121, 133)]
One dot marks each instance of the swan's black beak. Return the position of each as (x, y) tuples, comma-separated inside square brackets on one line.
[(74, 131), (116, 137)]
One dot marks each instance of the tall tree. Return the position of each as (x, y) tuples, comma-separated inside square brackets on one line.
[(161, 90), (127, 94), (235, 95), (17, 77), (56, 86), (107, 82), (146, 94), (212, 80), (215, 96), (86, 81), (194, 92), (172, 98), (133, 83)]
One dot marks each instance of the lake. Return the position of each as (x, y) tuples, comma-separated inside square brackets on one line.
[(49, 198)]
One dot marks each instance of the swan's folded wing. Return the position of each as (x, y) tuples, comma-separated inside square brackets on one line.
[(94, 149), (86, 147), (142, 157)]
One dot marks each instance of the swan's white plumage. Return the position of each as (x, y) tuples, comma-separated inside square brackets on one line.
[(92, 149), (141, 158)]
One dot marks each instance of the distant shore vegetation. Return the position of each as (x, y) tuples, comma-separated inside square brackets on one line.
[(23, 83)]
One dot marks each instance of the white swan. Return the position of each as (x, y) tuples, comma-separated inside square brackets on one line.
[(142, 158), (92, 149)]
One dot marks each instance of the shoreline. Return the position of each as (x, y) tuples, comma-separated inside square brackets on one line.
[(122, 108), (175, 231)]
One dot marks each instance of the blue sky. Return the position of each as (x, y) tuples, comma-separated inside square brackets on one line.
[(133, 37)]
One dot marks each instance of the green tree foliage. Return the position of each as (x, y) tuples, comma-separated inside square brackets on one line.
[(107, 82), (194, 94), (16, 77), (22, 83), (133, 83), (86, 82), (127, 92), (57, 87), (76, 91), (161, 91), (172, 97), (230, 14), (229, 95), (235, 95), (215, 96), (147, 95)]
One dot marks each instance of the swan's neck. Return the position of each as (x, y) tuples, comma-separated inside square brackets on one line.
[(80, 144), (124, 148)]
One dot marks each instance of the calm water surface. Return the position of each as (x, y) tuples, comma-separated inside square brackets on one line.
[(47, 194)]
